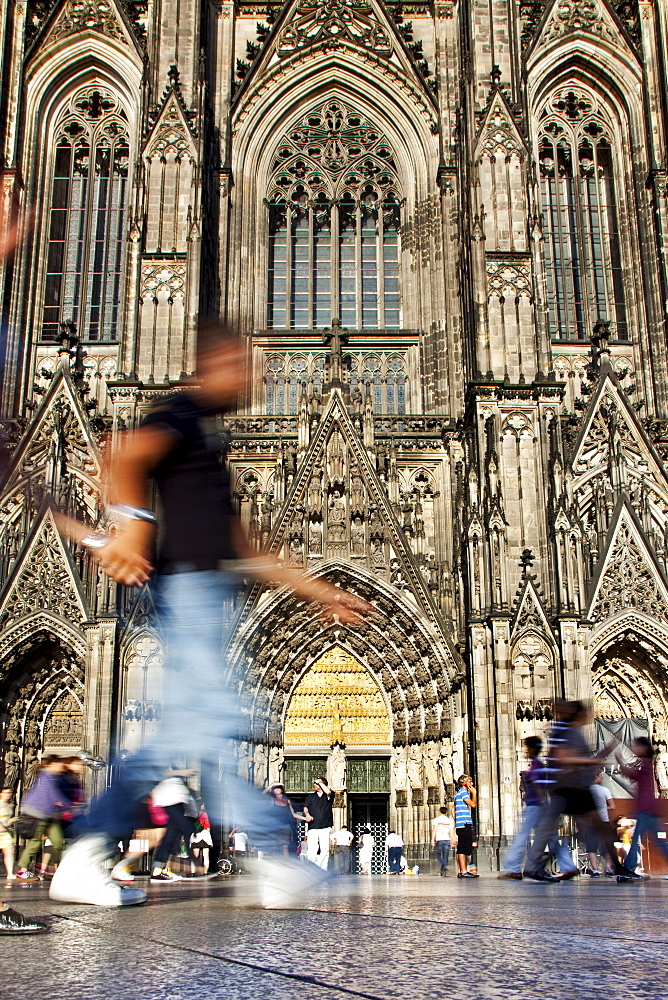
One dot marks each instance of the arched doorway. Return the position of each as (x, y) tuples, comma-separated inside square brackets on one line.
[(338, 722), (42, 709), (630, 686)]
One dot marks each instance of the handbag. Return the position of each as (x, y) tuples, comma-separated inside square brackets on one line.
[(157, 814), (26, 826)]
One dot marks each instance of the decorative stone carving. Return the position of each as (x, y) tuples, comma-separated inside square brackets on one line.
[(162, 277), (89, 15), (508, 278), (577, 15), (628, 582), (171, 134), (44, 581), (330, 22)]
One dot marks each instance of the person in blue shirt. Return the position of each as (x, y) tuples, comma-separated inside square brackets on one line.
[(465, 800)]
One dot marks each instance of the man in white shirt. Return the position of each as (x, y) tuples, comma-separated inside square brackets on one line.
[(394, 844), (442, 837), (602, 797), (342, 841)]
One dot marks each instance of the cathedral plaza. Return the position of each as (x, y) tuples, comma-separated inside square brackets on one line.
[(387, 939), (438, 230)]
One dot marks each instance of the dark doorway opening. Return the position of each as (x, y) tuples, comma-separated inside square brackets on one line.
[(370, 811)]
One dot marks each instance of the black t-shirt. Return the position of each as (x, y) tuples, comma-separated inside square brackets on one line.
[(320, 807), (194, 487)]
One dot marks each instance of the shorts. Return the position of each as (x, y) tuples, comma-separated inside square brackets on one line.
[(577, 800), (464, 840)]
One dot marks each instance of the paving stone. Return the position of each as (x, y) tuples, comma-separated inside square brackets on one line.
[(413, 938)]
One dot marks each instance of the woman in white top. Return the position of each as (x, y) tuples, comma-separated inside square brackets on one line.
[(367, 844)]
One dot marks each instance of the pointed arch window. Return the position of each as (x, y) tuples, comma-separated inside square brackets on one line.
[(86, 219), (334, 225), (580, 221)]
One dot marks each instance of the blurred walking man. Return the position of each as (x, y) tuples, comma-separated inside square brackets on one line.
[(320, 819), (201, 544)]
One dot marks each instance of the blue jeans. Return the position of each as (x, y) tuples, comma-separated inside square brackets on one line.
[(394, 858), (543, 819), (645, 823), (443, 852), (200, 716)]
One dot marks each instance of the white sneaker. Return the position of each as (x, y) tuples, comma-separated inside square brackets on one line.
[(288, 884), (81, 877)]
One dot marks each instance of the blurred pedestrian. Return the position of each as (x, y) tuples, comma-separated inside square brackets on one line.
[(6, 830), (342, 841), (367, 844), (394, 845), (239, 846), (534, 797), (40, 812), (443, 836), (466, 799), (648, 810), (202, 548), (320, 819), (173, 795), (284, 822), (571, 764)]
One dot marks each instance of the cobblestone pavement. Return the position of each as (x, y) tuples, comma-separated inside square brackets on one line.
[(382, 938)]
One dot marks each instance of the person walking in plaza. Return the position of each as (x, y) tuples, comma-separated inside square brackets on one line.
[(394, 845), (202, 548), (284, 823), (466, 799), (534, 797), (604, 803), (648, 810), (320, 819), (174, 796), (367, 844), (41, 808), (6, 831), (342, 841), (571, 767), (443, 837)]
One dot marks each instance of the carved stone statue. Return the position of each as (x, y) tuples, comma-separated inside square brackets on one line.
[(336, 456), (315, 538), (30, 765), (12, 768), (244, 758), (431, 759), (661, 770), (357, 536), (415, 766), (400, 767), (337, 768)]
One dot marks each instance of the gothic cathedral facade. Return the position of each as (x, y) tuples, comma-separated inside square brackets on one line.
[(440, 229)]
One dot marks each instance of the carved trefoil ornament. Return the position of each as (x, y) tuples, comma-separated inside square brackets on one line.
[(508, 278), (578, 15)]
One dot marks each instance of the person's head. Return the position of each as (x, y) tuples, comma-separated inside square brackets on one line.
[(317, 784), (278, 790), (575, 713), (464, 780), (344, 827), (221, 368), (393, 831), (444, 810), (74, 765), (52, 763), (533, 746), (365, 830), (598, 776), (642, 747), (6, 794)]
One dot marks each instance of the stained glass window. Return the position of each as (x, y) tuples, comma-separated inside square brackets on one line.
[(86, 223)]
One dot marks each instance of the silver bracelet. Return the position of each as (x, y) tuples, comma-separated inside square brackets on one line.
[(96, 540), (128, 512)]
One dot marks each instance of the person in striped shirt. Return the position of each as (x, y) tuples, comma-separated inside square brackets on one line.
[(465, 800)]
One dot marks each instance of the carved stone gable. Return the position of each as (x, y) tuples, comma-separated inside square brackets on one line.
[(171, 134), (499, 136), (567, 16), (315, 22), (90, 15), (338, 509), (43, 579), (630, 578), (529, 612)]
